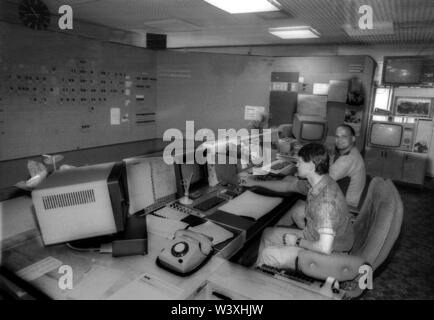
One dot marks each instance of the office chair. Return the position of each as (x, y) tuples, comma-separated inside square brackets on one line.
[(376, 229)]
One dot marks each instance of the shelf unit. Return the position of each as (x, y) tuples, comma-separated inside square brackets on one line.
[(408, 161)]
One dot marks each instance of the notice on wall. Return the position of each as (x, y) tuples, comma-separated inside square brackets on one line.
[(115, 116), (321, 89), (253, 112), (279, 86)]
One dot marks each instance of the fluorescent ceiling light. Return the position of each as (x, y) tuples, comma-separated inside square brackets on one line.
[(243, 6), (303, 32)]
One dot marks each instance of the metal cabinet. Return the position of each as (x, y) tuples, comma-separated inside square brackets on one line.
[(374, 162), (396, 165), (414, 166), (392, 164)]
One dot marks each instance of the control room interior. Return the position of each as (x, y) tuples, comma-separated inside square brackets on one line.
[(95, 100)]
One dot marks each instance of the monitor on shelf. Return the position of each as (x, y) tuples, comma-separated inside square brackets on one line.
[(308, 129), (391, 135), (82, 203), (403, 70)]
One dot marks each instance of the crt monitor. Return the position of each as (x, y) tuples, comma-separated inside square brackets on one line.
[(385, 134), (82, 203), (402, 70), (308, 129)]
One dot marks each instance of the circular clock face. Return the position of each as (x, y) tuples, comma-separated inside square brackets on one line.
[(34, 14)]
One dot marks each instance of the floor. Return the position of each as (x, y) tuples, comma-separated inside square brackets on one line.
[(408, 273)]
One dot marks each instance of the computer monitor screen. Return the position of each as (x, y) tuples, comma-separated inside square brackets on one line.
[(309, 128), (386, 134), (312, 131)]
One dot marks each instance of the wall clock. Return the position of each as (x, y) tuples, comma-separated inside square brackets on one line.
[(34, 14)]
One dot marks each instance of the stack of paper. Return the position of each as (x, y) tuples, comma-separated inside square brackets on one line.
[(251, 205), (147, 287)]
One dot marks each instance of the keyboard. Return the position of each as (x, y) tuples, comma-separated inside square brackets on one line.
[(287, 273), (280, 165), (170, 213), (208, 204)]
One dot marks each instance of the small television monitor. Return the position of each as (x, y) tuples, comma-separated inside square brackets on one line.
[(384, 134), (82, 203), (197, 172), (308, 129), (402, 70)]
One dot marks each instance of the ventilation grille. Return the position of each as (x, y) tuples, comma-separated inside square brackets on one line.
[(70, 199)]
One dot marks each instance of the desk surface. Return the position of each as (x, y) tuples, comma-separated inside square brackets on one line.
[(100, 276)]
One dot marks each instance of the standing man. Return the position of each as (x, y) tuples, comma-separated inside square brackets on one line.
[(328, 227)]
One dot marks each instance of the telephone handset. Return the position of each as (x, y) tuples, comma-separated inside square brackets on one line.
[(186, 253)]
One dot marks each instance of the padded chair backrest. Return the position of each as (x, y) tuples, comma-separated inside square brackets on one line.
[(379, 222)]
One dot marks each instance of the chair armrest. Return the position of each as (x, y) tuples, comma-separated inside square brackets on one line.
[(342, 267)]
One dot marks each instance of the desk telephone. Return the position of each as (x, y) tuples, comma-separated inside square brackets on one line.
[(186, 253)]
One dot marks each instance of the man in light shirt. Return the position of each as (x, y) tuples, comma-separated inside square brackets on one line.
[(348, 168), (328, 226)]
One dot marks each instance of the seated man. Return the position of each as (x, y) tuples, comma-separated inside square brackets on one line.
[(348, 170), (348, 167), (328, 227)]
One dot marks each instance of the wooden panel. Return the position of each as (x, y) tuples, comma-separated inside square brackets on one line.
[(57, 92)]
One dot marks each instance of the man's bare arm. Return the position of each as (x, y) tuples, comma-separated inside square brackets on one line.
[(323, 245), (288, 184)]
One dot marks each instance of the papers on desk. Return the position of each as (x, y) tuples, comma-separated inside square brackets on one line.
[(147, 287), (251, 205), (38, 269), (150, 181), (163, 227), (214, 231), (95, 283)]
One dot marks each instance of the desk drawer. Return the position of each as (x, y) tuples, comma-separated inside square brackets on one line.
[(230, 247)]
